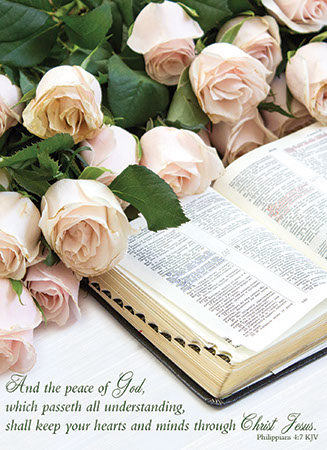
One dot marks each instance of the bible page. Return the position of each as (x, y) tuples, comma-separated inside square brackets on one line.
[(224, 269), (283, 185)]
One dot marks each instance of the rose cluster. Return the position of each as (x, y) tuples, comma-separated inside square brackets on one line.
[(182, 94), (233, 77)]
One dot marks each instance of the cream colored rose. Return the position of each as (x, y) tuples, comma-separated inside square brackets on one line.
[(165, 62), (227, 82), (19, 234), (84, 224), (164, 33), (279, 124), (112, 148), (181, 158), (302, 16), (17, 323), (68, 100), (10, 95), (306, 77), (56, 290), (259, 37), (234, 141)]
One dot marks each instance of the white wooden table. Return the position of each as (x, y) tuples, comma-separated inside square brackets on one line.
[(97, 349)]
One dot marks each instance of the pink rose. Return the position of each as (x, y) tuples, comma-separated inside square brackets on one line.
[(10, 95), (235, 141), (306, 77), (279, 124), (19, 234), (16, 329), (85, 225), (112, 148), (165, 62), (181, 158), (259, 37), (68, 100), (164, 33), (302, 16), (227, 82), (56, 290)]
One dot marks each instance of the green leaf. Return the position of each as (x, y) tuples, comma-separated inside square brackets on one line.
[(319, 37), (132, 95), (52, 258), (211, 12), (134, 60), (20, 19), (184, 106), (12, 73), (191, 12), (92, 3), (98, 58), (116, 28), (151, 195), (92, 173), (30, 51), (290, 53), (28, 96), (89, 29), (138, 147), (125, 8), (30, 153), (49, 168), (17, 286), (199, 46), (25, 82), (181, 126), (272, 107), (60, 3), (289, 98), (239, 6), (3, 139), (230, 35), (30, 181), (39, 307)]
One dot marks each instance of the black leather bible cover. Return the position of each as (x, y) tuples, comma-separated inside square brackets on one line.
[(185, 379)]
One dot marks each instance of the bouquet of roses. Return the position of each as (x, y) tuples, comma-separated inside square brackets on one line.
[(113, 108)]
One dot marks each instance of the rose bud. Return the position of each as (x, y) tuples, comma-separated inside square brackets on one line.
[(306, 77), (258, 37), (19, 234), (112, 148), (227, 81), (234, 141), (17, 322), (181, 158), (10, 95), (164, 33), (279, 124), (55, 289), (85, 225), (68, 100), (299, 15)]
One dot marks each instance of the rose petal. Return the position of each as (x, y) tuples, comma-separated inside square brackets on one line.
[(284, 12), (181, 158), (162, 22)]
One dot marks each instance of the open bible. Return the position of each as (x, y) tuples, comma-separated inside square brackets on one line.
[(240, 291)]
